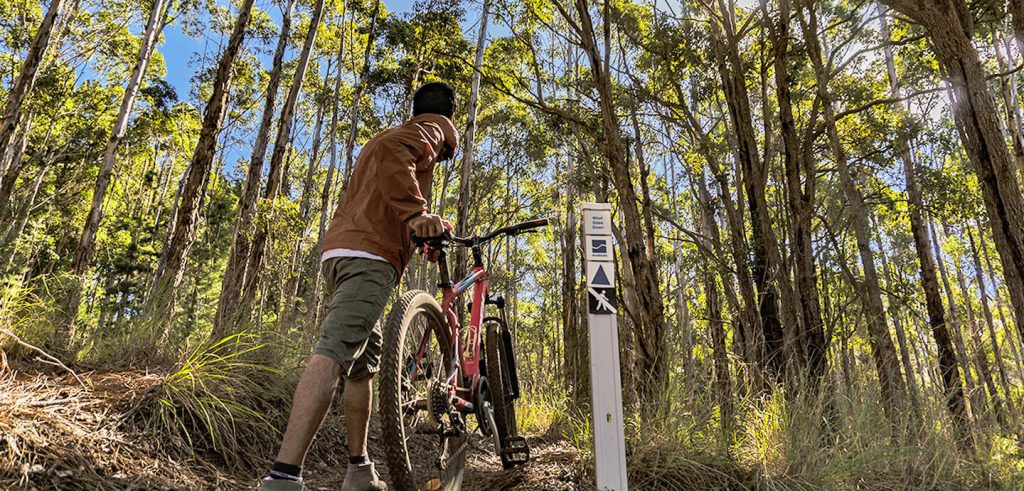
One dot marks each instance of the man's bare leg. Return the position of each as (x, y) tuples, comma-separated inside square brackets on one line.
[(358, 401), (312, 400)]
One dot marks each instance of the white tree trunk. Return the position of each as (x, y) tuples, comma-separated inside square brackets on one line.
[(238, 256), (86, 242), (87, 239), (469, 145), (171, 268), (26, 79)]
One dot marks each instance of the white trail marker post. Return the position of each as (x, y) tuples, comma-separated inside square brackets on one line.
[(609, 443)]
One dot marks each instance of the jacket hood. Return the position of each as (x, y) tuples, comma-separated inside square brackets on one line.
[(451, 135)]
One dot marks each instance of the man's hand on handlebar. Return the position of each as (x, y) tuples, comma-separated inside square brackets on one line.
[(427, 225)]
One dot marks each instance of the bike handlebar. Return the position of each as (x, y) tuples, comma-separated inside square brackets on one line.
[(517, 228), (448, 237)]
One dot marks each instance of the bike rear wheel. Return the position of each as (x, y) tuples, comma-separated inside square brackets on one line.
[(415, 364)]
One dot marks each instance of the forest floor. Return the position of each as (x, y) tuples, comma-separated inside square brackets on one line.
[(57, 433)]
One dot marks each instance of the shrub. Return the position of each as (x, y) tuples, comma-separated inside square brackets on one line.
[(219, 401)]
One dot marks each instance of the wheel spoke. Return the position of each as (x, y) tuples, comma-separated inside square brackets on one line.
[(418, 359)]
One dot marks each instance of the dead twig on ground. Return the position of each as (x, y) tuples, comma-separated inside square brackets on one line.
[(45, 357), (5, 369)]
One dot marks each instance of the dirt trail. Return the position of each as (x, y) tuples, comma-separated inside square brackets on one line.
[(552, 468), (55, 434)]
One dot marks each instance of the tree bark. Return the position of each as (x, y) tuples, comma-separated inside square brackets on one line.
[(724, 272), (275, 174), (685, 324), (570, 277), (171, 269), (980, 356), (469, 143), (950, 375), (883, 350), (986, 311), (24, 83), (241, 245), (1008, 335), (958, 339), (1016, 11), (801, 204), (716, 328), (1007, 89), (353, 129), (650, 331), (948, 26), (314, 159), (87, 239), (301, 280), (767, 266), (22, 216), (900, 329), (750, 339), (16, 164), (325, 195)]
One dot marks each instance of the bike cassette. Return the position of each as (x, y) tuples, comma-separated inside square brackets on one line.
[(438, 403), (515, 452)]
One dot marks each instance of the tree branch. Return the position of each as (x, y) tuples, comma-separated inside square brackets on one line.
[(891, 100)]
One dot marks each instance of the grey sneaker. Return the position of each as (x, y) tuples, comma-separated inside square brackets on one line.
[(362, 477), (268, 484)]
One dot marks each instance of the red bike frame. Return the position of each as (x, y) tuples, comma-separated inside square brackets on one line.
[(466, 364)]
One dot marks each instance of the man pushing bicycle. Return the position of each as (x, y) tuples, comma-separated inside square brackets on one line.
[(365, 251)]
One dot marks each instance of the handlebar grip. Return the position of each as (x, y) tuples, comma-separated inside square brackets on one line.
[(535, 223), (419, 241)]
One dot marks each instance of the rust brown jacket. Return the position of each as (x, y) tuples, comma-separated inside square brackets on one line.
[(391, 184)]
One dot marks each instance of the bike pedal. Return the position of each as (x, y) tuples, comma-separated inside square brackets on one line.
[(516, 450)]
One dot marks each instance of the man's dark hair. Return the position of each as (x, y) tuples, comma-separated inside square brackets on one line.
[(434, 98)]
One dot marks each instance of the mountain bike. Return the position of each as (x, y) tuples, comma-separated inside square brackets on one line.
[(435, 373)]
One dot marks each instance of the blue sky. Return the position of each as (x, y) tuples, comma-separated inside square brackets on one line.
[(179, 48), (180, 51)]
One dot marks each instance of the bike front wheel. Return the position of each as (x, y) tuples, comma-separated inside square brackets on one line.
[(500, 371), (422, 451)]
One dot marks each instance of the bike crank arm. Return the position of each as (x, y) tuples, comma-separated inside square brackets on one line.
[(463, 405), (494, 427)]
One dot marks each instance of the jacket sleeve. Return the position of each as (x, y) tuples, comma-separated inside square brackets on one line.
[(396, 169)]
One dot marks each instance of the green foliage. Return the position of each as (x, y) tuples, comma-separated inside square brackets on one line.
[(541, 150), (219, 400), (28, 309)]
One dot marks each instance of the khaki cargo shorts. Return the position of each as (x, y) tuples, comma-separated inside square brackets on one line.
[(357, 290)]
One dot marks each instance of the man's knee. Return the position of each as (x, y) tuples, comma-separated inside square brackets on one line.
[(325, 366)]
